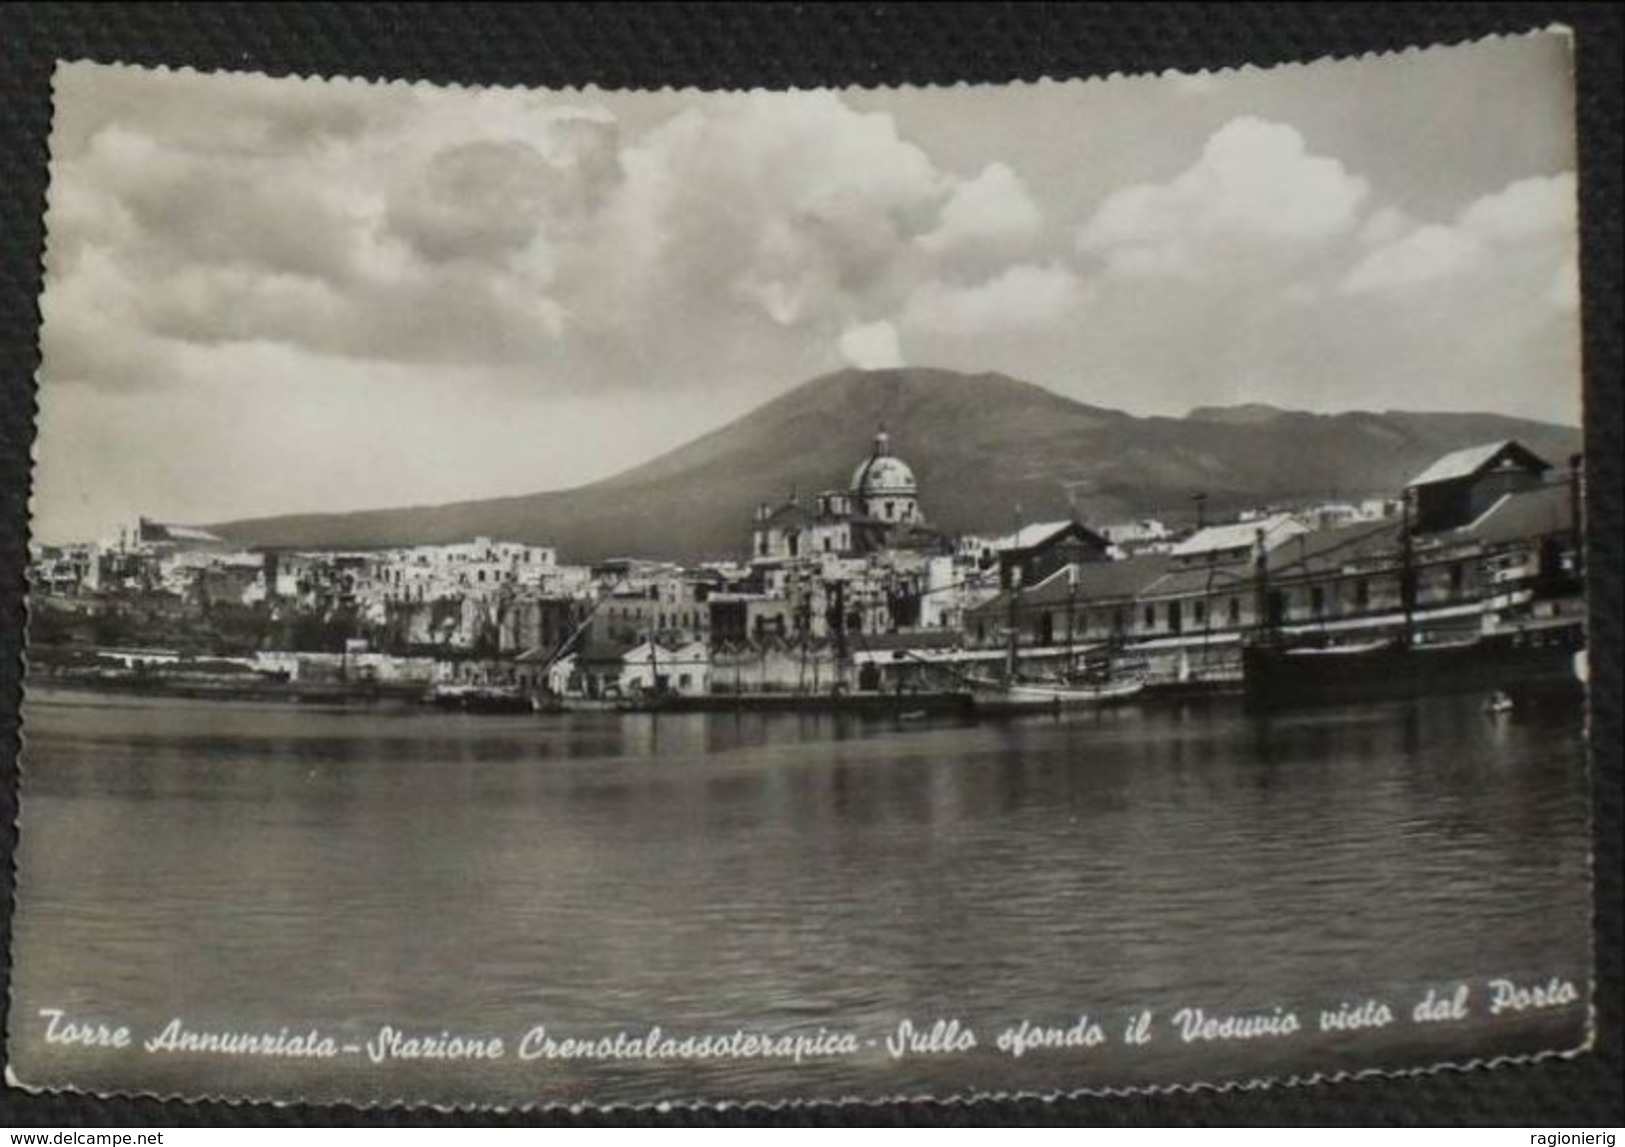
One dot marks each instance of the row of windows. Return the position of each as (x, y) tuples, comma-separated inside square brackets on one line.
[(686, 619), (397, 576), (661, 681), (512, 557), (1173, 616)]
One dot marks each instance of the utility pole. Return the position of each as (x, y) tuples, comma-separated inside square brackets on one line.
[(1071, 619), (1407, 569), (1014, 589)]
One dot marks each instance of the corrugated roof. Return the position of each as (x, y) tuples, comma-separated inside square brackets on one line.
[(1204, 579), (1530, 514), (1094, 581), (1468, 461), (1322, 551), (1053, 590), (1124, 578), (1029, 536), (1234, 535)]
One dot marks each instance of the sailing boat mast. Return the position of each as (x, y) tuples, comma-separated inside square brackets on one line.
[(1014, 601), (1071, 621), (1263, 606), (1010, 625), (1407, 572)]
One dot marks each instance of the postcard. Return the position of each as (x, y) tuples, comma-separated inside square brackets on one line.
[(692, 597)]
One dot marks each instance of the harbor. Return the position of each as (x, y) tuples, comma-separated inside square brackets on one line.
[(343, 867), (1470, 577)]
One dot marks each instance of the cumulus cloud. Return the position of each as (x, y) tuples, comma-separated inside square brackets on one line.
[(992, 216), (492, 198), (1422, 255), (793, 203), (1537, 212), (590, 256), (1256, 186), (512, 229), (474, 200), (1024, 297), (1384, 225), (396, 226)]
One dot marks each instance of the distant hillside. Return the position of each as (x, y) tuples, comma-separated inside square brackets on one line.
[(981, 446), (1244, 414)]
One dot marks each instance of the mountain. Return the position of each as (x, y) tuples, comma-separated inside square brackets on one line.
[(1245, 414), (981, 446)]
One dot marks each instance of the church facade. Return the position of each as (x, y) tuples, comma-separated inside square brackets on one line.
[(880, 510)]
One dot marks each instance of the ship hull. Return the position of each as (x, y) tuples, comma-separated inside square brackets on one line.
[(1039, 698), (1521, 663), (867, 704)]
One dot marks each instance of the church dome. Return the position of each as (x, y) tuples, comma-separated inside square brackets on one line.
[(881, 475)]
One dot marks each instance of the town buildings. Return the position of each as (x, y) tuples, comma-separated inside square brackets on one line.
[(855, 589), (1494, 546)]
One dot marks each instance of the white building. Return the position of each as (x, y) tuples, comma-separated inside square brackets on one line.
[(954, 586), (478, 569), (684, 670), (1136, 536)]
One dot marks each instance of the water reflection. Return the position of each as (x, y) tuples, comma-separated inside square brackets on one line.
[(253, 864)]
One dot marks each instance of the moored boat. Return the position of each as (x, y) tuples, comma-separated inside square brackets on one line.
[(1017, 696), (493, 699), (1534, 658)]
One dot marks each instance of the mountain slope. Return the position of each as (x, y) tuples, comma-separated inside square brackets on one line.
[(981, 446)]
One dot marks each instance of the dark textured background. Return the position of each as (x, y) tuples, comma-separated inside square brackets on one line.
[(782, 45)]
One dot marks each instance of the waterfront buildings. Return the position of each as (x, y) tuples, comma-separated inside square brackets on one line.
[(1184, 614), (1465, 483), (855, 589)]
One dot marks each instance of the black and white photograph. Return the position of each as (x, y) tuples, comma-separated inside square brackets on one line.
[(612, 598)]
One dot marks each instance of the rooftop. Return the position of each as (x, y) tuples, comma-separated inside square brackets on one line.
[(1089, 582), (1530, 514), (1276, 528), (1469, 461)]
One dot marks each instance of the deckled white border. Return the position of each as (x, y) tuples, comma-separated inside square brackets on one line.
[(967, 1100)]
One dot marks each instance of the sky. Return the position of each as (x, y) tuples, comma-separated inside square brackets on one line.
[(278, 295)]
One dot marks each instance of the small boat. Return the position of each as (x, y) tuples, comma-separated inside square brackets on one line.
[(1090, 684), (1498, 702), (492, 699), (1016, 696)]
